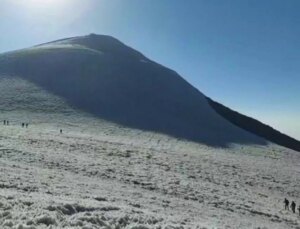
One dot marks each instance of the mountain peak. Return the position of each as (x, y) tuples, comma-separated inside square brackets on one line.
[(100, 43), (102, 76)]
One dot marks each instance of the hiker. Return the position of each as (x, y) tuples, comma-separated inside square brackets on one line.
[(27, 125), (7, 123), (286, 204), (23, 124), (4, 122), (61, 131), (293, 206)]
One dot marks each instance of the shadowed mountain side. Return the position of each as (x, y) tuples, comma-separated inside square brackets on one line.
[(124, 87), (255, 126)]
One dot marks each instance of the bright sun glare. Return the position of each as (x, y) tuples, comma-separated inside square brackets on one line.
[(54, 14), (44, 4)]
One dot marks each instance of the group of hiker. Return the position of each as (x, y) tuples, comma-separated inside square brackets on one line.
[(24, 125), (293, 206), (6, 123)]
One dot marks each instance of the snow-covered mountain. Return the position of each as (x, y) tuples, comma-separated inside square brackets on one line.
[(140, 148), (102, 76)]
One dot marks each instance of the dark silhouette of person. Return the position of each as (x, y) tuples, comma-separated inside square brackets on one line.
[(299, 210), (23, 124), (286, 204), (7, 123), (293, 206), (4, 122), (61, 131), (27, 125)]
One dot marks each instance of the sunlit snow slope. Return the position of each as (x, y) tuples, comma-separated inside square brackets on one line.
[(137, 175), (98, 174)]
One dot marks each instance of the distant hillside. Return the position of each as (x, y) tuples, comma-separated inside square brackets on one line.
[(255, 126), (102, 76)]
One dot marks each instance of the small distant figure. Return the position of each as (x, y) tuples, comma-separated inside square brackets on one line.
[(23, 124), (60, 131), (7, 123), (293, 207), (26, 125), (299, 210), (286, 204), (4, 122)]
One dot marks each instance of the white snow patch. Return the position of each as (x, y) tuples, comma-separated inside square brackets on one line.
[(101, 175)]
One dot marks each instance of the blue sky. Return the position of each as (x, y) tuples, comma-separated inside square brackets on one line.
[(242, 53)]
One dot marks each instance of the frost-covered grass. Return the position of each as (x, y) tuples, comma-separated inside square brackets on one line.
[(101, 175)]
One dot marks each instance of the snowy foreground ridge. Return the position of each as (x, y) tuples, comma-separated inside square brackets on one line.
[(97, 174)]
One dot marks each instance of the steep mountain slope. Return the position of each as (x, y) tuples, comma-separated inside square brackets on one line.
[(102, 76), (255, 127)]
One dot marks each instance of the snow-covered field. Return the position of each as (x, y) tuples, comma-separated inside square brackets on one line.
[(99, 175)]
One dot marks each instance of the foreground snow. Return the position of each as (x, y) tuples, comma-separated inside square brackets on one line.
[(121, 178), (100, 175)]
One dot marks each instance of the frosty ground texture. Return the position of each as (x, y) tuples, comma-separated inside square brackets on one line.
[(100, 175)]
